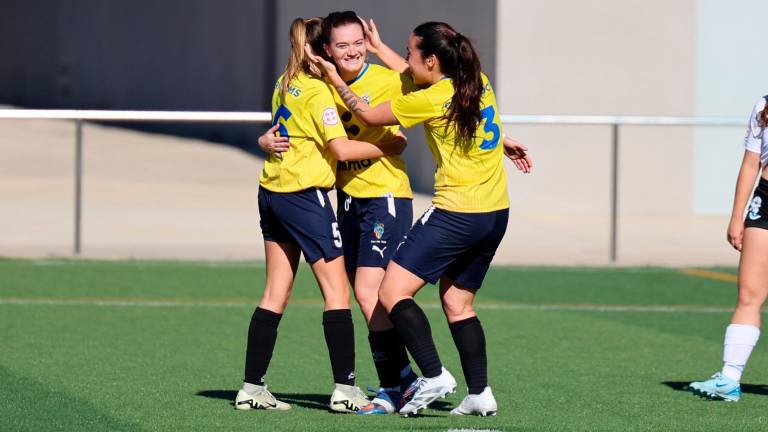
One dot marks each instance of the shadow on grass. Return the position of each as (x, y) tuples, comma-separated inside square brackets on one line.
[(304, 400), (759, 389), (228, 395)]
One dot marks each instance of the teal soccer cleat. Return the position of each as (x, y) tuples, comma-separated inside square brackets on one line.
[(385, 402), (719, 387)]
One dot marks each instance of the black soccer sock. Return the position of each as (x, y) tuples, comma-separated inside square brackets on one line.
[(340, 338), (262, 334), (469, 338), (413, 327), (389, 356)]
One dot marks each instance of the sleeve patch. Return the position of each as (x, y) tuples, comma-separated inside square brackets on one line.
[(330, 117)]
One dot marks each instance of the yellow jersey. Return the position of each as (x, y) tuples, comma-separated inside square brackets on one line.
[(370, 178), (469, 179), (307, 114)]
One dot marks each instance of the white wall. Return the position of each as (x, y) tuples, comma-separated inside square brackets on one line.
[(732, 73)]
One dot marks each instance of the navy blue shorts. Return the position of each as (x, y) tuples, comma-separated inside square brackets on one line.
[(457, 245), (372, 228), (305, 218)]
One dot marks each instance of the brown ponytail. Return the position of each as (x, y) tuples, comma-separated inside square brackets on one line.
[(302, 31), (762, 117), (458, 61)]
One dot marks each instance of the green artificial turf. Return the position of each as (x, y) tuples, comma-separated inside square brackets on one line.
[(132, 345)]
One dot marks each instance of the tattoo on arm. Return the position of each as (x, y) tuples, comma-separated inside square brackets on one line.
[(351, 100)]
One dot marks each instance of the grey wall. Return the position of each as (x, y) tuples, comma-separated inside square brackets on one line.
[(193, 55), (395, 19), (141, 54)]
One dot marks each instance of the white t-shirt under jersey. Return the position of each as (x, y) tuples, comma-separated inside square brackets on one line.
[(756, 138)]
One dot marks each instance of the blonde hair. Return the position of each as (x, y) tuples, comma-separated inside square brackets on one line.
[(302, 32)]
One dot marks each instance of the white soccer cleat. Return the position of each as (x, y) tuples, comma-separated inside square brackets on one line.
[(348, 399), (483, 404), (260, 399), (429, 390)]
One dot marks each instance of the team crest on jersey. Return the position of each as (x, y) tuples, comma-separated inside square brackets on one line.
[(378, 230), (754, 208), (366, 98), (330, 116)]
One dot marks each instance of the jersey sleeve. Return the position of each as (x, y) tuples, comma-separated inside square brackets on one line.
[(752, 138), (402, 84), (325, 116), (413, 108)]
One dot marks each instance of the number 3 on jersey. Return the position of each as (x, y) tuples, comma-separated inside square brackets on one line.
[(488, 113), (282, 113)]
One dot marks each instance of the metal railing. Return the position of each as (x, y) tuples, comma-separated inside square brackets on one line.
[(614, 122)]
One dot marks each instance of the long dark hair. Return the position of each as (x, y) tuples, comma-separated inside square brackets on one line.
[(302, 31), (762, 116), (458, 61)]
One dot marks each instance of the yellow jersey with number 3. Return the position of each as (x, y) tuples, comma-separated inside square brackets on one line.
[(371, 178), (469, 178), (307, 114)]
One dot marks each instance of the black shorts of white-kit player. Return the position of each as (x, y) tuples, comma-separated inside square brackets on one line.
[(305, 218), (460, 246), (372, 228), (757, 212)]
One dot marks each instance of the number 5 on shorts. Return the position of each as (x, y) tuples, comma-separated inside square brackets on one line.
[(336, 234)]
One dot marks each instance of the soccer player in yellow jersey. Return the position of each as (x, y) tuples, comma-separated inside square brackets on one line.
[(455, 240), (374, 203), (297, 218)]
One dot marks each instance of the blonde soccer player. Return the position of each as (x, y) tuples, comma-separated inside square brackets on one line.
[(296, 217), (374, 203), (455, 240), (748, 235)]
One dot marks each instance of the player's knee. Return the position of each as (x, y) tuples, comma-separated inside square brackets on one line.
[(751, 295), (388, 298), (457, 309), (275, 299), (367, 296), (335, 295)]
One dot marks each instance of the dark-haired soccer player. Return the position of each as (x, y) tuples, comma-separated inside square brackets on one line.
[(455, 240)]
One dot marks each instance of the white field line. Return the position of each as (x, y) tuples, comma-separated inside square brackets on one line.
[(483, 306), (46, 262)]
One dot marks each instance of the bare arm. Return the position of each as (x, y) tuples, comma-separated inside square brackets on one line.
[(750, 169), (344, 149), (391, 59)]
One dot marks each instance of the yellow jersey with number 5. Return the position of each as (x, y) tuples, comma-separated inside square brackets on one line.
[(469, 178), (307, 114), (371, 178)]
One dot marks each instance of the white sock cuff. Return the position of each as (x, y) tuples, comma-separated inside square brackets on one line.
[(742, 334)]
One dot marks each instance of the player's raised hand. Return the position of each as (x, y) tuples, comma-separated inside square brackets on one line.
[(372, 38), (270, 143), (518, 154), (327, 68)]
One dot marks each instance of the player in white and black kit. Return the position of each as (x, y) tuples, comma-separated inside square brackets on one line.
[(749, 236)]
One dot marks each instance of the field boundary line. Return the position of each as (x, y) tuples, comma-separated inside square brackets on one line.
[(127, 302), (710, 274)]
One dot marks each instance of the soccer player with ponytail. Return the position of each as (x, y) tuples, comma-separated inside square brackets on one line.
[(750, 237), (296, 217), (455, 240)]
